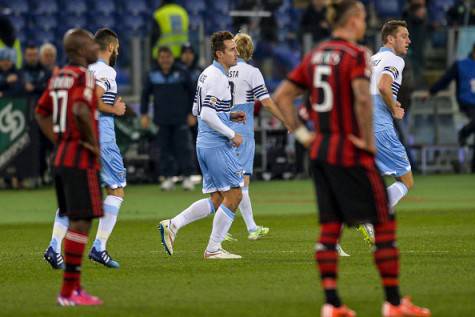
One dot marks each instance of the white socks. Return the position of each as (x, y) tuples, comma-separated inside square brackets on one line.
[(246, 210), (395, 192), (60, 228), (221, 223), (107, 222), (198, 210)]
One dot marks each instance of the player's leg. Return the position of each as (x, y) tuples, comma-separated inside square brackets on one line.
[(198, 210), (222, 222), (61, 223), (113, 176), (225, 171), (82, 204)]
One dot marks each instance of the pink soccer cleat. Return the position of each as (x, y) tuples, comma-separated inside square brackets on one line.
[(79, 298)]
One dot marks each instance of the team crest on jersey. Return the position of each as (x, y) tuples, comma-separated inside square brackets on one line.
[(213, 100)]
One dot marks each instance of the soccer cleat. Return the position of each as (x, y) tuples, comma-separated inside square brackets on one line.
[(229, 238), (167, 234), (167, 185), (79, 298), (55, 259), (220, 254), (102, 257), (329, 310), (405, 309), (340, 251), (258, 233), (188, 184), (367, 231)]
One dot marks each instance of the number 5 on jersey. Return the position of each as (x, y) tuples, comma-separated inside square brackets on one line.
[(321, 83), (60, 104)]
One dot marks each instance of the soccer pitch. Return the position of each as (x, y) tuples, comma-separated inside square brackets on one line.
[(277, 275)]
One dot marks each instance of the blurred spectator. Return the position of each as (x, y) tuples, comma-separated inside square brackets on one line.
[(35, 75), (48, 55), (314, 21), (461, 13), (8, 39), (172, 91), (170, 28), (417, 24), (11, 82), (463, 72)]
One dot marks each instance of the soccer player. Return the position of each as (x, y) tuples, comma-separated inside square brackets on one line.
[(386, 79), (348, 184), (112, 166), (66, 113), (248, 86), (222, 172)]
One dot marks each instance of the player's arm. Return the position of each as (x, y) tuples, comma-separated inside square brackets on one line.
[(261, 94), (82, 116), (211, 118), (284, 99), (442, 83), (364, 115), (117, 109), (46, 125), (386, 92), (270, 105)]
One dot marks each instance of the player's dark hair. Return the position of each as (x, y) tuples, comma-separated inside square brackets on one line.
[(30, 46), (390, 28), (104, 37), (217, 41), (337, 11), (164, 49)]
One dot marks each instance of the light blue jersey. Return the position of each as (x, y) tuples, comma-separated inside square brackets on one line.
[(214, 91), (249, 86), (391, 156), (112, 165), (105, 78), (385, 62)]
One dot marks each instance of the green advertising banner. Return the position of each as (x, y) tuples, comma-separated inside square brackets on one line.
[(13, 129)]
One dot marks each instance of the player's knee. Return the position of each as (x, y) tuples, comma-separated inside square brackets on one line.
[(409, 182)]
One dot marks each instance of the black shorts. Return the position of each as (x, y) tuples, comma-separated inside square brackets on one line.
[(351, 195), (79, 193)]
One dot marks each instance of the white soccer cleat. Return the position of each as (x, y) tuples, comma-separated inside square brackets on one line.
[(220, 254), (340, 251), (188, 184), (167, 234), (167, 184)]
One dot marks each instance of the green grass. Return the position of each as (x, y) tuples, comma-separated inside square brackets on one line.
[(276, 276)]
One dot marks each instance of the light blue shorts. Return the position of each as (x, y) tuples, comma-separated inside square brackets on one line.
[(221, 169), (391, 156), (112, 166), (246, 153)]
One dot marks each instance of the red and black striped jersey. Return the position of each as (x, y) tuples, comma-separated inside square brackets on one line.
[(327, 73), (72, 84)]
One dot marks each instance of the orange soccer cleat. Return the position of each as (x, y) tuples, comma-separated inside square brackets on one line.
[(329, 310), (405, 309)]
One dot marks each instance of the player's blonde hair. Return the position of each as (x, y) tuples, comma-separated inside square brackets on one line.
[(244, 45)]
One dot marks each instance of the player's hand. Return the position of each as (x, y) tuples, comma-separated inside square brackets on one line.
[(145, 121), (93, 148), (119, 107), (191, 120), (398, 111), (237, 140), (238, 116), (362, 144)]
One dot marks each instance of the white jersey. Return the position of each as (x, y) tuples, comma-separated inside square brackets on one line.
[(213, 90), (248, 86), (385, 62), (105, 78)]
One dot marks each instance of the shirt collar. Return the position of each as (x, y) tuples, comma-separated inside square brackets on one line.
[(385, 49), (102, 61), (240, 60), (220, 67)]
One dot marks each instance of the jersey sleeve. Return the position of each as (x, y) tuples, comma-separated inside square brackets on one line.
[(101, 76), (393, 67), (361, 66), (44, 106), (259, 89), (300, 75)]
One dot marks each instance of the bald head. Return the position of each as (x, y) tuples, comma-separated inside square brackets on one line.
[(80, 46)]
